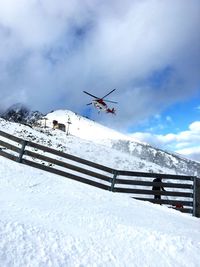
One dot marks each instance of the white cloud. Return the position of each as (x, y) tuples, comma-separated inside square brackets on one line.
[(51, 51), (195, 127), (191, 152), (185, 142)]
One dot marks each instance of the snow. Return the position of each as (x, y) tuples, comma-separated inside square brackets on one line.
[(94, 140), (83, 127), (47, 220)]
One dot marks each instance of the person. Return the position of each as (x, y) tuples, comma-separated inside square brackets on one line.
[(157, 187)]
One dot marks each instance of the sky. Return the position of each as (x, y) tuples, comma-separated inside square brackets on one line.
[(50, 52), (48, 220)]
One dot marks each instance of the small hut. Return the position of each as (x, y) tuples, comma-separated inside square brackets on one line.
[(59, 126), (62, 127)]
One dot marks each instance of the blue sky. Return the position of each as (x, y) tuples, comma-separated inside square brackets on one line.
[(51, 51), (177, 129), (174, 119)]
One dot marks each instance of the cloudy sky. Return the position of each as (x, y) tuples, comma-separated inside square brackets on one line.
[(149, 50)]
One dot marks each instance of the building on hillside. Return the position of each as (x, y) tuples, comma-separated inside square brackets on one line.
[(59, 126)]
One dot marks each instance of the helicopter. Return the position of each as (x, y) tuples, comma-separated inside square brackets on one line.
[(100, 103)]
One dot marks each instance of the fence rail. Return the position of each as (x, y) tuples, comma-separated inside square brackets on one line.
[(183, 192)]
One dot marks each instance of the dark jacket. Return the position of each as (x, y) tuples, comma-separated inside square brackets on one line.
[(157, 187)]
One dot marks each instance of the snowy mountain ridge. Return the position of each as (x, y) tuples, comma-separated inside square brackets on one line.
[(131, 154), (21, 114), (47, 220)]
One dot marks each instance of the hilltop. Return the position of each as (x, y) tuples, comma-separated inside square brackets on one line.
[(98, 143), (48, 220)]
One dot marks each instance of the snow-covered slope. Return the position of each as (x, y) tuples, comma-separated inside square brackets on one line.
[(83, 127), (98, 152), (92, 141), (153, 157), (47, 220)]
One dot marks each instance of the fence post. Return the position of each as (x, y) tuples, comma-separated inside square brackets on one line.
[(21, 153), (113, 180), (196, 200)]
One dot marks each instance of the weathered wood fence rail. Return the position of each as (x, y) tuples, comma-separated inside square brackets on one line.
[(180, 189)]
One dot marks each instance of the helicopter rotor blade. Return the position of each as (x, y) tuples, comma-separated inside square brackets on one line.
[(90, 94), (110, 101), (89, 104), (108, 93)]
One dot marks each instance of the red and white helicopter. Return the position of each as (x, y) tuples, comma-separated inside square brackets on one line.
[(100, 103)]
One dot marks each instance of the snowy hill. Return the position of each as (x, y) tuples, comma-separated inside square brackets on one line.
[(47, 220), (89, 130), (101, 144)]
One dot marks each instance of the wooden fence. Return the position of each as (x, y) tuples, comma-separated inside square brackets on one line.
[(182, 192)]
